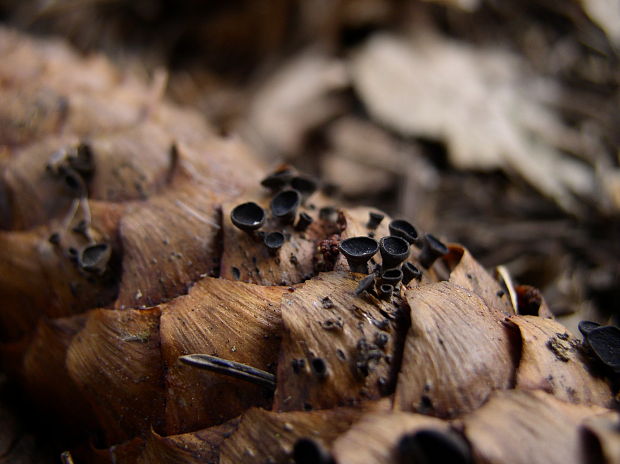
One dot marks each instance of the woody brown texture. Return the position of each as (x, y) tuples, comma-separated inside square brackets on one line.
[(91, 156)]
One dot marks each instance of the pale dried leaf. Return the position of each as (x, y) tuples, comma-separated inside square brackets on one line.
[(295, 100), (490, 117), (605, 13)]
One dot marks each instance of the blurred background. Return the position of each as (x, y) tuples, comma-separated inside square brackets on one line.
[(491, 123)]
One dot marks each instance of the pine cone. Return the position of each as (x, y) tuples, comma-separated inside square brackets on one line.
[(127, 264)]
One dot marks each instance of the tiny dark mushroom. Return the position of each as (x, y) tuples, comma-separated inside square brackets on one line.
[(386, 291), (284, 206), (274, 241), (303, 222), (605, 342), (74, 182), (358, 251), (248, 216), (306, 186), (404, 229), (308, 451), (410, 272), (391, 277), (428, 446), (394, 250), (374, 219), (94, 258), (431, 250), (585, 327), (278, 180)]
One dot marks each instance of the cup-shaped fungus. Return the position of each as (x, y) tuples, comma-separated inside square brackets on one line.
[(410, 272), (404, 229), (394, 250), (585, 327), (306, 186), (374, 219), (431, 250), (303, 222), (248, 216), (605, 343), (274, 241), (277, 180), (358, 251), (94, 258), (284, 206), (385, 291), (391, 276)]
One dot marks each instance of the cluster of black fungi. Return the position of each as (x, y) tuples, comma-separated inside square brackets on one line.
[(394, 250), (290, 191)]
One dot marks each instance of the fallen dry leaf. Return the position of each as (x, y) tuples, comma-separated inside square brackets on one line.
[(371, 158), (491, 117), (605, 13), (295, 100)]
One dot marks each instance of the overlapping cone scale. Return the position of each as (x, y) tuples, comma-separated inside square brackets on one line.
[(95, 339)]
